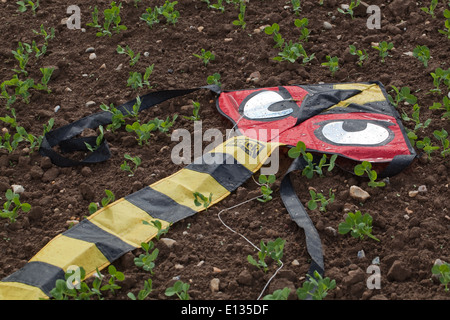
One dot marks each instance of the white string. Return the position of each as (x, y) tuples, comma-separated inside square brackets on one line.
[(237, 205)]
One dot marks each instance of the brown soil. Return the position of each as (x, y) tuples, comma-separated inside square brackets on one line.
[(408, 247)]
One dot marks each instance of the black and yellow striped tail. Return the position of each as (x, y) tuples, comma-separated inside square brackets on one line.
[(118, 228)]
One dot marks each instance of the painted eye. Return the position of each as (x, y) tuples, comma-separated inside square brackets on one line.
[(355, 132), (266, 105)]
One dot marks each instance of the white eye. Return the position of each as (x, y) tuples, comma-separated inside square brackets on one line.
[(372, 134), (257, 107)]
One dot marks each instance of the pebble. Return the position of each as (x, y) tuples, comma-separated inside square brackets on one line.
[(361, 254), (90, 103), (146, 54), (376, 260), (331, 230), (327, 25), (214, 285), (57, 108), (92, 56), (295, 262), (119, 67), (413, 193), (17, 188), (359, 194), (228, 39), (422, 188), (168, 242), (90, 50)]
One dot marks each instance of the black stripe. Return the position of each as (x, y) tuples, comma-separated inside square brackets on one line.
[(225, 169), (158, 205), (110, 246), (37, 274)]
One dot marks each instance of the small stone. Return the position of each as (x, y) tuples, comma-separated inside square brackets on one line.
[(214, 285), (103, 66), (168, 242), (254, 77), (359, 194), (216, 270), (90, 103), (331, 231), (327, 25), (413, 193), (119, 67), (422, 188), (90, 50), (406, 217), (228, 39), (179, 266), (200, 29), (361, 254), (17, 188), (376, 260), (201, 263), (56, 109), (92, 56), (72, 222), (295, 262)]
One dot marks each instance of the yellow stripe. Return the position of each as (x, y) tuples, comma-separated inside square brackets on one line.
[(249, 152), (20, 291), (124, 220), (369, 93), (182, 185), (64, 251)]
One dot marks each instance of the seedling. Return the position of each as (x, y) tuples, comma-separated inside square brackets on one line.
[(167, 10), (98, 141), (78, 290), (22, 55), (117, 118), (415, 117), (205, 56), (427, 146), (296, 6), (280, 294), (403, 94), (134, 112), (111, 21), (142, 293), (12, 206), (46, 75), (134, 58), (195, 112), (273, 249), (265, 182), (315, 287), (146, 260), (180, 289), (110, 197), (165, 125), (362, 54), (440, 76), (47, 36), (442, 136), (240, 21), (277, 37), (445, 105), (358, 225), (317, 197), (366, 168), (158, 225), (311, 167), (24, 4), (350, 10), (292, 52), (20, 89), (430, 10), (218, 6), (423, 54), (214, 79), (446, 30), (143, 131), (201, 200), (443, 272), (125, 166), (302, 24), (136, 80), (115, 275), (332, 63), (384, 49)]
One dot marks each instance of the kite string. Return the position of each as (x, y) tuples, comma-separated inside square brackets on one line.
[(232, 207)]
